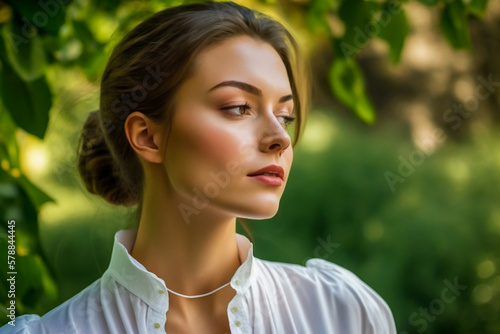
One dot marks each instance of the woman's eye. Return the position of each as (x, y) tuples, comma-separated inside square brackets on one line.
[(241, 110), (287, 120), (238, 110)]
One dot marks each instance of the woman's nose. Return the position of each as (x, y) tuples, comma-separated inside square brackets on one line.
[(273, 136)]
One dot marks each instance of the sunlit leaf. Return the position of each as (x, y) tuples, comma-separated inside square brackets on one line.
[(347, 83)]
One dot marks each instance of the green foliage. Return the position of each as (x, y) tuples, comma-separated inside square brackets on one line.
[(31, 12), (20, 201), (34, 35), (477, 7), (364, 20), (454, 25), (28, 102), (441, 223), (348, 85), (396, 28), (23, 50)]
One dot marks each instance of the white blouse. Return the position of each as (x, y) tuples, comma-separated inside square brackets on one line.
[(271, 297)]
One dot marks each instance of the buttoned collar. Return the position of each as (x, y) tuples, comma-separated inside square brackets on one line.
[(134, 277)]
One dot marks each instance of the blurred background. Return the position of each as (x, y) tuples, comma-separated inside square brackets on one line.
[(396, 177)]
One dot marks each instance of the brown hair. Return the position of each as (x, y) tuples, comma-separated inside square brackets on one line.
[(143, 73)]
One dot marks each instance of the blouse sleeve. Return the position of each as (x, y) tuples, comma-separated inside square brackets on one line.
[(361, 306), (24, 324)]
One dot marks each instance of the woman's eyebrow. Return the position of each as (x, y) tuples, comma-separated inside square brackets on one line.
[(247, 88)]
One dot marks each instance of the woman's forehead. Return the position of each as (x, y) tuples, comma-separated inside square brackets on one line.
[(242, 59)]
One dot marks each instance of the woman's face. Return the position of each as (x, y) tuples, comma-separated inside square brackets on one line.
[(230, 121)]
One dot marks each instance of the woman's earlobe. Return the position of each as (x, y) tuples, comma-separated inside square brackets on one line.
[(144, 136)]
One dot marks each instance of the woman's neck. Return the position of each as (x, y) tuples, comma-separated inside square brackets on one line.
[(192, 257)]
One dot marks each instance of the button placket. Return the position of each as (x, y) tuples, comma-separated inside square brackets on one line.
[(157, 317), (157, 322), (237, 314)]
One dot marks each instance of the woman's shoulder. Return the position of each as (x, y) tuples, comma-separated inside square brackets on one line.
[(315, 270), (321, 282), (21, 325), (60, 319)]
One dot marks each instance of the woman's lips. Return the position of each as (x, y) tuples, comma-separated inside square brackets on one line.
[(271, 175), (268, 179)]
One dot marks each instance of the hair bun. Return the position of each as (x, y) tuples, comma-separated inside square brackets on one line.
[(97, 167)]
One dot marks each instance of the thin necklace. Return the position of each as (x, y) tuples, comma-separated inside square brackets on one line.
[(199, 296), (205, 294)]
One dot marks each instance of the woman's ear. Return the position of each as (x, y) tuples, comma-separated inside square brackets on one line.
[(145, 136)]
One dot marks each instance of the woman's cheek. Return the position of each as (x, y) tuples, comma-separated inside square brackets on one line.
[(206, 146), (217, 142)]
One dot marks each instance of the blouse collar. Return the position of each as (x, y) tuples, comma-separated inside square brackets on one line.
[(133, 276)]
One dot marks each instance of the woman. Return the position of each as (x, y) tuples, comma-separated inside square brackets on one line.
[(194, 108)]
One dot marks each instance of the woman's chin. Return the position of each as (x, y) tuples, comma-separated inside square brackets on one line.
[(260, 213)]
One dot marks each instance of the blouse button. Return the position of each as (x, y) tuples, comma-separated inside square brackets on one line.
[(234, 309), (157, 325), (237, 282), (161, 292), (237, 323)]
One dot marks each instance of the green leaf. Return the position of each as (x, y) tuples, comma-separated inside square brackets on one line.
[(24, 50), (347, 83), (360, 26), (454, 25), (48, 16), (478, 7), (93, 57), (110, 6), (28, 102), (33, 282), (317, 13), (37, 196), (394, 29), (9, 149)]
